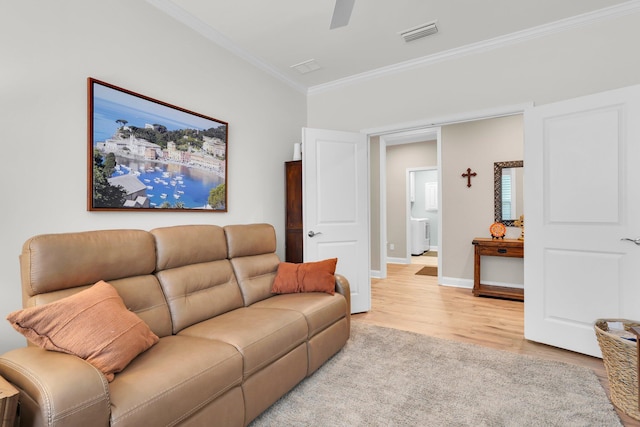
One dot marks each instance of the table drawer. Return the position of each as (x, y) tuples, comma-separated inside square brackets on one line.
[(501, 251)]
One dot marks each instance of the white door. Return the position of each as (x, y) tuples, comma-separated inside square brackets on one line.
[(335, 206), (582, 196)]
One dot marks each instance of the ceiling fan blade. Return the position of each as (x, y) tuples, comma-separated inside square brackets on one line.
[(341, 13)]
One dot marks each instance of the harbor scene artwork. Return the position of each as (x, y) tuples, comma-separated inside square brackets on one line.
[(145, 154)]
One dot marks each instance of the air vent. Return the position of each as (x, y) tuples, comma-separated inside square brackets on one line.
[(420, 31), (306, 66)]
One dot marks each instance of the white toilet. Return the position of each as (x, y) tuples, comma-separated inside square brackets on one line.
[(420, 242)]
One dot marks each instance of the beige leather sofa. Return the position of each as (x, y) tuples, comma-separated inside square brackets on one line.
[(228, 348)]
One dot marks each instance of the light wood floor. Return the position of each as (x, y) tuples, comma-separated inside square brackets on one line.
[(418, 304)]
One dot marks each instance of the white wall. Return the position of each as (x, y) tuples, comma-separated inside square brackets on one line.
[(571, 63), (467, 212), (49, 49)]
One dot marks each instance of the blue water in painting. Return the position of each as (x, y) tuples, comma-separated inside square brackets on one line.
[(171, 182)]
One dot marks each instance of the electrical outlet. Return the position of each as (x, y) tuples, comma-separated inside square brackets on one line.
[(392, 246)]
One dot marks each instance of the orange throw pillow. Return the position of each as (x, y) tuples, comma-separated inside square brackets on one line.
[(93, 324), (306, 277)]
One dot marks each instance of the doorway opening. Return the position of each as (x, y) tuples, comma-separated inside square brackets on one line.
[(395, 205), (422, 215), (379, 139)]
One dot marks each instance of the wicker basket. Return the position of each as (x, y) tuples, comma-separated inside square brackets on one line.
[(620, 357)]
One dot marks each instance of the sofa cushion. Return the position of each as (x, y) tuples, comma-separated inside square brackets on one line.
[(305, 277), (182, 245), (194, 272), (51, 262), (173, 380), (319, 309), (261, 335), (199, 292), (250, 239), (144, 296), (255, 276), (93, 324)]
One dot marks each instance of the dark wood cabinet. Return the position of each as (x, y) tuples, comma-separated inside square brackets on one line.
[(492, 247), (293, 213)]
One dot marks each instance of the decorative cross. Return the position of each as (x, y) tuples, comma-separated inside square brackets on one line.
[(468, 175)]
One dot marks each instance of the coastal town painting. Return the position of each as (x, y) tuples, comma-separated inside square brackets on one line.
[(145, 154)]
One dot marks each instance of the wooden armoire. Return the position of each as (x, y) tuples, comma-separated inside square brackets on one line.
[(294, 238)]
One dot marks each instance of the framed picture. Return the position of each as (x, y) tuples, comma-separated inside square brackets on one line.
[(147, 155)]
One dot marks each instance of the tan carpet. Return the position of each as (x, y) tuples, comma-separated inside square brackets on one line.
[(386, 377), (428, 271)]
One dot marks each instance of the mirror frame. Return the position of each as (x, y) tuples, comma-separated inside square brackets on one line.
[(497, 189)]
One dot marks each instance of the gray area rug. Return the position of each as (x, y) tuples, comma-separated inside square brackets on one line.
[(387, 377)]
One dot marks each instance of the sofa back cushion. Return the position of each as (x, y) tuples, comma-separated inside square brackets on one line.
[(54, 266), (195, 274), (250, 239), (252, 253)]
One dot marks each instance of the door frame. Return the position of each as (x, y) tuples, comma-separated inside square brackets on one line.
[(419, 125)]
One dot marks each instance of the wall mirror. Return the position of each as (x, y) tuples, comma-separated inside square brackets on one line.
[(507, 194)]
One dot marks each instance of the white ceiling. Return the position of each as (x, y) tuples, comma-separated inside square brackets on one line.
[(276, 34)]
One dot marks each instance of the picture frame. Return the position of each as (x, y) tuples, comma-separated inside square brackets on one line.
[(148, 155)]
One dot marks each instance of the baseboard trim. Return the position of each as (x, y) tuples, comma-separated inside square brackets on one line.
[(455, 282), (502, 284)]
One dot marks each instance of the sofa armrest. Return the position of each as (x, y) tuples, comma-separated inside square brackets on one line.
[(343, 288), (56, 388)]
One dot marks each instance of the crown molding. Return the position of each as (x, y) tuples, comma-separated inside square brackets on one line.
[(179, 14), (622, 9)]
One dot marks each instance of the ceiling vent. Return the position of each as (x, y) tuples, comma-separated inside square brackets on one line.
[(307, 66), (420, 31)]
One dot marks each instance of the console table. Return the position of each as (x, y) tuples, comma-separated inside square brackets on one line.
[(496, 247)]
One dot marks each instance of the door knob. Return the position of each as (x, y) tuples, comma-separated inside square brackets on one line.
[(636, 241), (313, 233)]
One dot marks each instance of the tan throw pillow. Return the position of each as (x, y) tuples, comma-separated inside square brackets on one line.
[(306, 277), (93, 324)]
